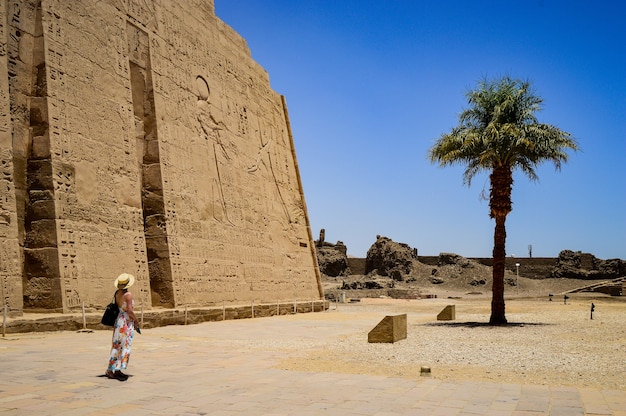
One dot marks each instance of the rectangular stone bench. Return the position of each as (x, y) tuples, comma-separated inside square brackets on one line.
[(391, 329)]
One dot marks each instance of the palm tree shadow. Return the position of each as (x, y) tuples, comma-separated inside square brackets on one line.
[(484, 324)]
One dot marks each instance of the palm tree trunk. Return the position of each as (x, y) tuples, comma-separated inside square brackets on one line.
[(499, 257), (500, 204)]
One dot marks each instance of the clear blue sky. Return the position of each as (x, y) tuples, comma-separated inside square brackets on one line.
[(370, 85)]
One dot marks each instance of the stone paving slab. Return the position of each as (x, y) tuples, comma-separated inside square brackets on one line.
[(210, 369)]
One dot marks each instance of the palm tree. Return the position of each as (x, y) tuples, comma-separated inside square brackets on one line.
[(499, 133)]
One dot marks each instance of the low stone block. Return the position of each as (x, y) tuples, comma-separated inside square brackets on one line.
[(391, 329), (41, 147), (447, 314)]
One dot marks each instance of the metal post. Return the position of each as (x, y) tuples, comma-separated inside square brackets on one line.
[(84, 319), (185, 314), (517, 276), (4, 322)]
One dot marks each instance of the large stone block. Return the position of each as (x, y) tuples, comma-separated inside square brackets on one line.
[(42, 234), (40, 174), (152, 203), (151, 151), (152, 177), (42, 293), (391, 329), (447, 314), (42, 262), (41, 147), (41, 205)]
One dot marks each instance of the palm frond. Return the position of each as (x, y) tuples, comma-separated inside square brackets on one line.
[(499, 128)]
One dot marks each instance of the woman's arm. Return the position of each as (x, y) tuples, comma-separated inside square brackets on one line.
[(128, 297)]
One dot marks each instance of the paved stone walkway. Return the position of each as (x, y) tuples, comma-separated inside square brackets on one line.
[(213, 369)]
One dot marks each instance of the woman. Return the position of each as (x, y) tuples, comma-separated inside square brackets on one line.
[(124, 328)]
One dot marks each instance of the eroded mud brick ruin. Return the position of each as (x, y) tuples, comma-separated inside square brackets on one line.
[(140, 136)]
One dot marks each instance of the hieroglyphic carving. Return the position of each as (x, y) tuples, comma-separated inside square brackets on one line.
[(53, 27), (5, 115), (55, 58), (59, 144), (7, 287), (117, 40), (140, 11), (64, 188), (15, 9), (7, 194), (10, 260), (3, 30), (173, 30), (69, 266)]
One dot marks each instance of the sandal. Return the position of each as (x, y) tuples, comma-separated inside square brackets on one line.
[(116, 375), (120, 376)]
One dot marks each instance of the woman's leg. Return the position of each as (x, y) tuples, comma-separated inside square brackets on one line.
[(115, 357)]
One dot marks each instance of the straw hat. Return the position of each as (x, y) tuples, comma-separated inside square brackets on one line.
[(124, 281)]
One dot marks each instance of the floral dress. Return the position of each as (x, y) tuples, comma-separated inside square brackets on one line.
[(123, 333)]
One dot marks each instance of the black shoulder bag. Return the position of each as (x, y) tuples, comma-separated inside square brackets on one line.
[(110, 313)]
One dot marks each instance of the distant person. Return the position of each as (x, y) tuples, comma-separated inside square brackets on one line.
[(124, 328)]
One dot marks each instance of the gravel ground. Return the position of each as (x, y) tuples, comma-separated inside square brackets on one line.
[(545, 342)]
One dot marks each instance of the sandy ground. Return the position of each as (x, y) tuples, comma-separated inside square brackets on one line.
[(546, 342)]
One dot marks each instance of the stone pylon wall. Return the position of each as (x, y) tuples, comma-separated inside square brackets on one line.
[(139, 136)]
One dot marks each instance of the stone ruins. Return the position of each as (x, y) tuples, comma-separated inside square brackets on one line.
[(139, 136)]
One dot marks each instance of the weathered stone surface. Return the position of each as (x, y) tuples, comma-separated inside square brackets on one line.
[(43, 234), (152, 181), (578, 265), (152, 203), (332, 258), (40, 174), (452, 259), (388, 258), (41, 205), (447, 314), (367, 284), (392, 328), (41, 147), (43, 262), (163, 151)]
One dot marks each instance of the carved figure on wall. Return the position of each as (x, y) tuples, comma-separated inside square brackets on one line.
[(264, 159), (211, 131)]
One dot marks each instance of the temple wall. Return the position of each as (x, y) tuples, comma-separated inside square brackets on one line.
[(145, 140), (10, 252)]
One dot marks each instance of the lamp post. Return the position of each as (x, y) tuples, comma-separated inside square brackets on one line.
[(517, 276)]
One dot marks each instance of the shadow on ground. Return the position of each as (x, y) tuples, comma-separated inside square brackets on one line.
[(483, 324)]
